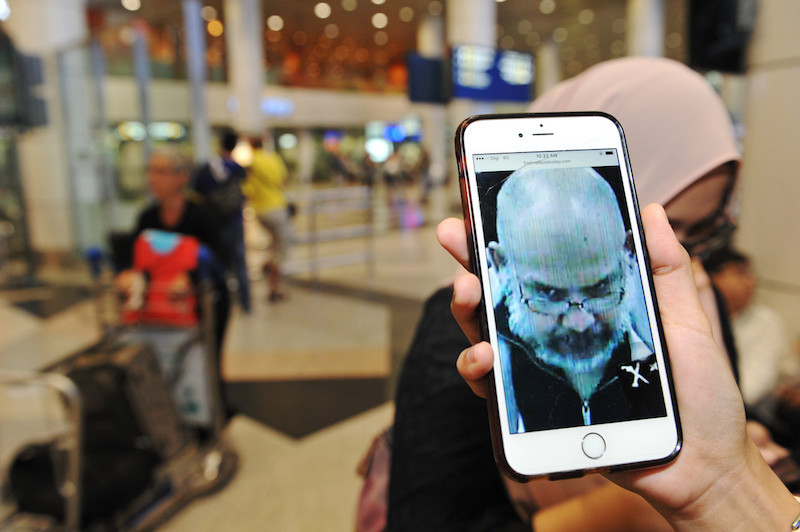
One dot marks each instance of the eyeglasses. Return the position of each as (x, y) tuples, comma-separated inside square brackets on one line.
[(553, 301), (709, 234), (713, 231)]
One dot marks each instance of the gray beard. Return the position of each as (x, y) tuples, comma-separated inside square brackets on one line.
[(572, 364), (555, 350)]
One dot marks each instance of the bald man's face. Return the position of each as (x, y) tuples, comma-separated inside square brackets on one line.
[(561, 261)]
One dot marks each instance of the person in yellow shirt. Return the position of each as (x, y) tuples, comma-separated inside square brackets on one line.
[(265, 190)]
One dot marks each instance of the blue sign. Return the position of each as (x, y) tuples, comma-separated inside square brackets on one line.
[(486, 74), (427, 79)]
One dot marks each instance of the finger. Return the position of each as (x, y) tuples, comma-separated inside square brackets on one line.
[(701, 278), (474, 363), (453, 237), (464, 306), (672, 272)]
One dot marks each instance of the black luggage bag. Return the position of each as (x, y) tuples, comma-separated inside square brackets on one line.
[(130, 427)]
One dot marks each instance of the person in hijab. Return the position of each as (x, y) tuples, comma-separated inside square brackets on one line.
[(720, 480), (683, 155)]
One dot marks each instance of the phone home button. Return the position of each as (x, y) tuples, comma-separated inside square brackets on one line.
[(593, 445)]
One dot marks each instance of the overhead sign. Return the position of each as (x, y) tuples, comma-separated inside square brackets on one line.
[(486, 74)]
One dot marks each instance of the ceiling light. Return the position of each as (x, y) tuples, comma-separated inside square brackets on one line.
[(507, 42), (132, 5), (560, 34), (322, 10), (435, 8), (406, 14), (380, 20), (547, 6), (208, 13), (349, 5), (524, 27), (287, 141), (378, 2), (275, 23), (215, 28), (586, 16), (381, 38), (619, 25), (331, 31)]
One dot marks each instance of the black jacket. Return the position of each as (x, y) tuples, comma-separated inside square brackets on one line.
[(629, 389)]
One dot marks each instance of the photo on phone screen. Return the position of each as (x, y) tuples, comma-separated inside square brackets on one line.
[(573, 332)]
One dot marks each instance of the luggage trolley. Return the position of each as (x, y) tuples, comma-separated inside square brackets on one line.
[(153, 420), (178, 326), (40, 412)]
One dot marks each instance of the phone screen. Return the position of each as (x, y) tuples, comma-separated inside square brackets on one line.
[(570, 319)]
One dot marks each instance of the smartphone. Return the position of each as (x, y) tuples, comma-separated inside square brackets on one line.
[(581, 380)]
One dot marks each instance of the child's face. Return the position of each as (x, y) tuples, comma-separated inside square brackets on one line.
[(737, 282)]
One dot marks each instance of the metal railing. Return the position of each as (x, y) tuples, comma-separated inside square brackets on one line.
[(332, 215)]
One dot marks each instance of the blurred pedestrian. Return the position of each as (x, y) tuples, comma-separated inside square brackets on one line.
[(265, 189), (219, 183)]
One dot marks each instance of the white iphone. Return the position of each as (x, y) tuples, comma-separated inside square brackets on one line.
[(581, 380)]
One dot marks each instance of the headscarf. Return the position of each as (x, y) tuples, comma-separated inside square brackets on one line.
[(676, 126)]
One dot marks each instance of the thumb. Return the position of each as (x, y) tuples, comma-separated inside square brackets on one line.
[(673, 277)]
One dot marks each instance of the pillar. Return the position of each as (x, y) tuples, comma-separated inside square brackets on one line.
[(471, 22), (548, 66), (645, 34), (45, 28), (196, 70), (431, 44), (468, 22), (244, 39)]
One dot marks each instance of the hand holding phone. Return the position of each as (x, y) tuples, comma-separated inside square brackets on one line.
[(719, 478), (581, 379)]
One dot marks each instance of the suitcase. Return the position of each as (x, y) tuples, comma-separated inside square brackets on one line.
[(130, 427), (125, 399)]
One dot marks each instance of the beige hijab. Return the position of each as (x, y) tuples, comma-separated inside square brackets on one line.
[(677, 129), (675, 125)]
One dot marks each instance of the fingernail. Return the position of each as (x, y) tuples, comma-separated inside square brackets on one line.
[(471, 355)]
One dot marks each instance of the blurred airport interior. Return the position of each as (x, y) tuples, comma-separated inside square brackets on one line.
[(361, 98)]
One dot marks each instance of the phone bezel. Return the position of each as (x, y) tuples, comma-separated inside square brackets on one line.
[(637, 443)]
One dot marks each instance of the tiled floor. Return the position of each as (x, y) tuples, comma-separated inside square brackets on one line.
[(311, 377)]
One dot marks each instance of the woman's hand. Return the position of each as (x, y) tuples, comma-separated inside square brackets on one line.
[(719, 480)]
